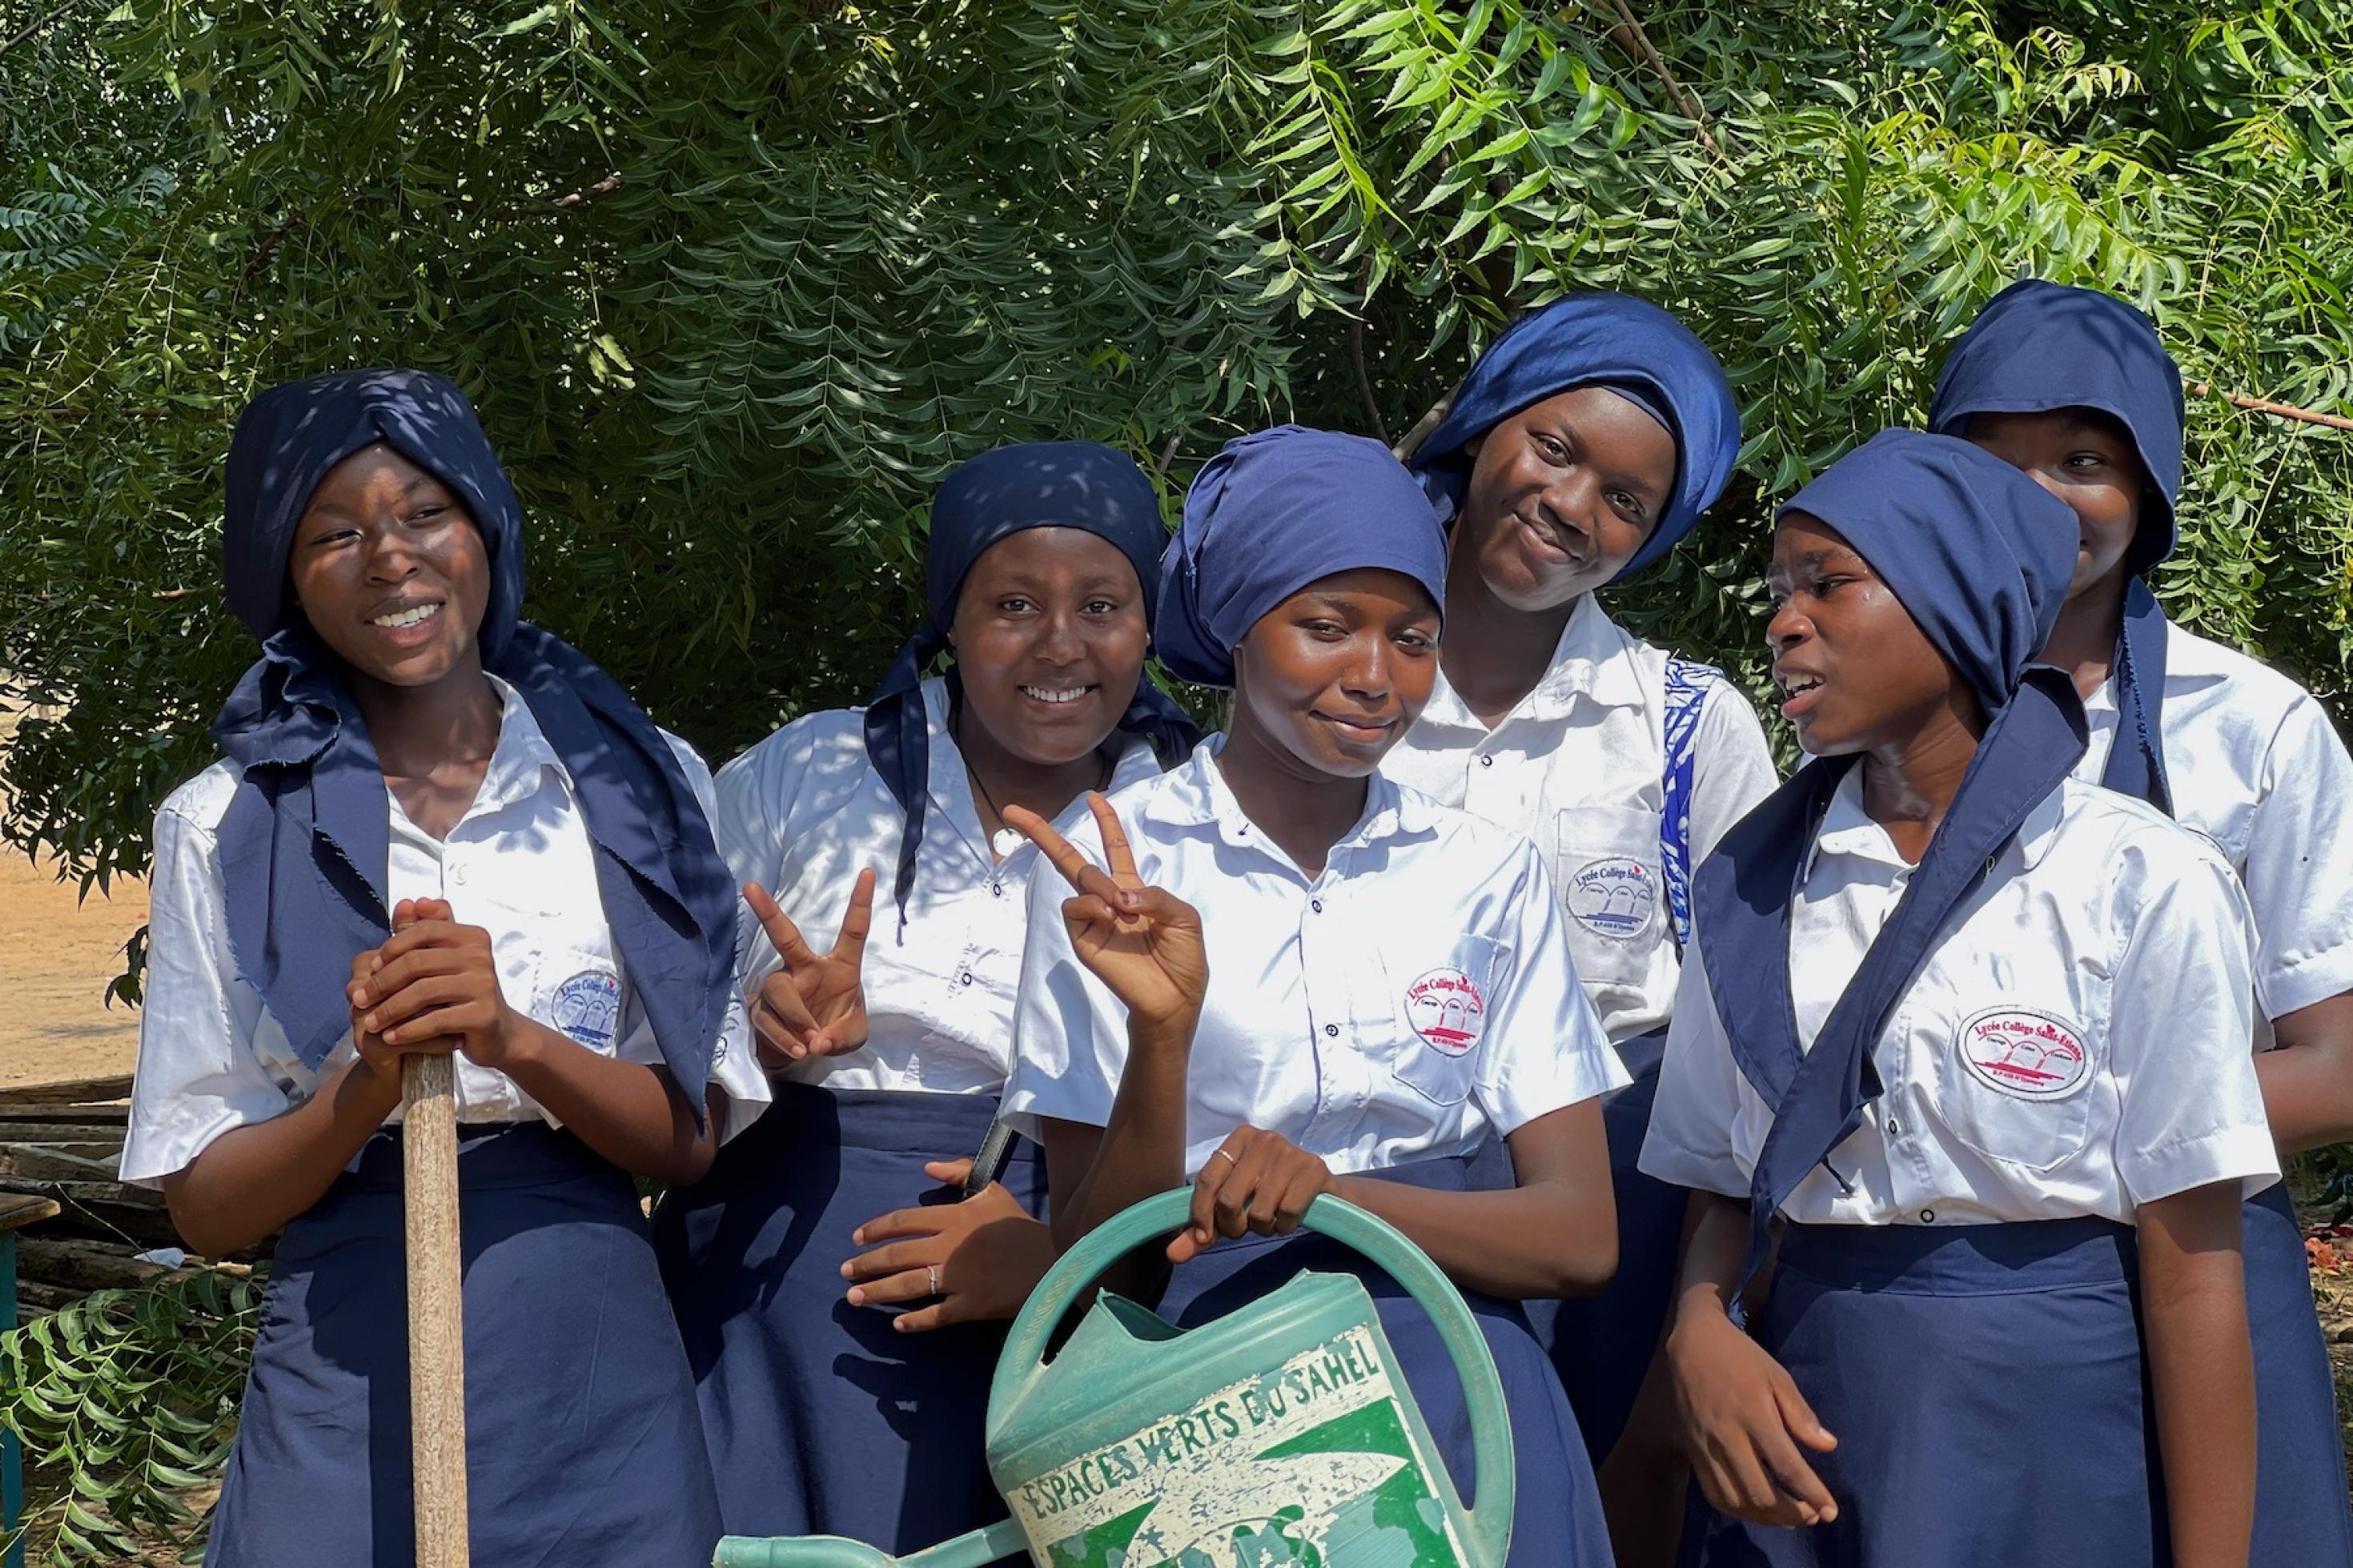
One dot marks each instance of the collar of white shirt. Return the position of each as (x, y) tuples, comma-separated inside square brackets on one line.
[(1588, 664), (1196, 795), (520, 761), (1848, 830)]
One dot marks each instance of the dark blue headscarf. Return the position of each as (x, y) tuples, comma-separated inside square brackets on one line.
[(2039, 346), (1008, 490), (1273, 512), (1980, 555), (1613, 340), (305, 844)]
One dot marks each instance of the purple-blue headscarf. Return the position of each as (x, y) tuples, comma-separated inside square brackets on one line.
[(1980, 555), (1614, 341), (2038, 346), (305, 844), (1004, 491), (1273, 512)]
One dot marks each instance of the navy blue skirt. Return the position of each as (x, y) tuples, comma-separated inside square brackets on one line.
[(582, 1444), (1987, 1390), (822, 1419), (1602, 1345), (1556, 1521), (2301, 1512)]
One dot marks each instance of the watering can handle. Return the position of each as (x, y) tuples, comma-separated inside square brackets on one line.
[(1490, 1430)]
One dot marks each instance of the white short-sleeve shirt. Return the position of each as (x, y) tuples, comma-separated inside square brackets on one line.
[(1412, 999), (2254, 764), (520, 864), (804, 812), (1578, 767), (2075, 1045)]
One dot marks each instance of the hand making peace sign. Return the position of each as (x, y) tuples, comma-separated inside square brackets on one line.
[(1143, 942), (815, 1004)]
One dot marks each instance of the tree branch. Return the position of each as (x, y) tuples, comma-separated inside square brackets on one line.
[(39, 24), (1410, 442), (2279, 410), (1356, 358), (1628, 35)]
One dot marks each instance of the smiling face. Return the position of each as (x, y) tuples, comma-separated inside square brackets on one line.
[(1333, 675), (2088, 460), (390, 570), (1050, 639), (1855, 670), (1562, 494)]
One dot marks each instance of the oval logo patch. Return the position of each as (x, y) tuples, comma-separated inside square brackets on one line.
[(2025, 1053), (1445, 1008), (1613, 897), (587, 1006)]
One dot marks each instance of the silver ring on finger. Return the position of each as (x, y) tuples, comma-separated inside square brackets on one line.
[(1227, 1153), (932, 1272)]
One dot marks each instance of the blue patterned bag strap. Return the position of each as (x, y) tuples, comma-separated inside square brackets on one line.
[(1687, 686)]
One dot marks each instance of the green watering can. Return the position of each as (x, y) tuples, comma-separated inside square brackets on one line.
[(1282, 1436)]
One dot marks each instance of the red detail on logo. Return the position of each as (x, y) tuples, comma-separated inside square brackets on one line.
[(1445, 1008), (2023, 1054)]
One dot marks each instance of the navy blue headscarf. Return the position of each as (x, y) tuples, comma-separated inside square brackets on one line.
[(1980, 555), (305, 844), (1612, 341), (1273, 512), (986, 499), (2039, 346)]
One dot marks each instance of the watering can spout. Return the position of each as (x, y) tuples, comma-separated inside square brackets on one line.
[(976, 1550)]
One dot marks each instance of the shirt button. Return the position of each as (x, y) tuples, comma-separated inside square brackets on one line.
[(1928, 1217), (1332, 1029), (1895, 1128), (1486, 761), (996, 890), (458, 876), (1315, 904), (965, 978)]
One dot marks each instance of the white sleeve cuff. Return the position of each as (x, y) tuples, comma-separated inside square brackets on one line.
[(2243, 1154)]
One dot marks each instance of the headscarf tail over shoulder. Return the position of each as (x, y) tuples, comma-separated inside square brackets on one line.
[(304, 844), (1980, 555), (1273, 512), (2039, 346), (1613, 340), (1001, 492)]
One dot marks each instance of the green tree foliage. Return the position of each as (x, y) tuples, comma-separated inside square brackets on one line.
[(734, 281)]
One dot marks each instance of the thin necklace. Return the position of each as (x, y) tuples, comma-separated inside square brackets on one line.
[(1006, 840)]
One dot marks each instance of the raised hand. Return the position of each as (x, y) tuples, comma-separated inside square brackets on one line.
[(378, 1058), (1143, 942), (815, 1004)]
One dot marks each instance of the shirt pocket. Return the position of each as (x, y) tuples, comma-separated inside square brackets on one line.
[(2013, 1083), (579, 995), (1440, 999), (1606, 872)]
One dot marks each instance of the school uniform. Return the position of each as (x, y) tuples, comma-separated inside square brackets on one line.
[(2240, 754), (1625, 764), (821, 1418), (1957, 1081), (1390, 1015), (570, 1457)]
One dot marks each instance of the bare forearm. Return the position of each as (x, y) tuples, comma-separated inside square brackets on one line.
[(2201, 1375), (2308, 1081), (1539, 1241), (1716, 1242), (631, 1113), (251, 1181), (1142, 1151)]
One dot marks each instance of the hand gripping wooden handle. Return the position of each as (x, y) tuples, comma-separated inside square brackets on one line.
[(437, 1338)]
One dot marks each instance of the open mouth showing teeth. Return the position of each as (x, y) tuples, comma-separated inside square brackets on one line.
[(1797, 686), (415, 615), (1055, 694)]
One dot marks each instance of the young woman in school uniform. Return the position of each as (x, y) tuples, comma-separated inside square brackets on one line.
[(826, 1413), (436, 828), (1388, 980), (1975, 1032), (1582, 446), (2073, 386)]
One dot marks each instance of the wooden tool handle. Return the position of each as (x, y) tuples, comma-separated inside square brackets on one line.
[(437, 1338)]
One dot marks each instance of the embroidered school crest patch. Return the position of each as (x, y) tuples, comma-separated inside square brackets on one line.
[(1613, 897), (1445, 1008), (587, 1006), (2025, 1053)]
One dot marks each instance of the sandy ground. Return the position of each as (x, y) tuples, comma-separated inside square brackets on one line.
[(60, 951)]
